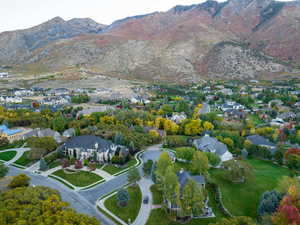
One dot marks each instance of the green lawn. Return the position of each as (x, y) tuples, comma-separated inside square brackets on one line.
[(24, 160), (111, 169), (255, 119), (243, 199), (131, 210), (79, 179), (6, 156), (15, 144), (54, 164)]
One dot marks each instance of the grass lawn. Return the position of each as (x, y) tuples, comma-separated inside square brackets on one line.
[(111, 169), (6, 156), (255, 119), (24, 160), (54, 164), (243, 199), (79, 179), (15, 144), (131, 210)]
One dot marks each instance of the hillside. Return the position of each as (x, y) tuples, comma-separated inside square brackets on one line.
[(234, 39)]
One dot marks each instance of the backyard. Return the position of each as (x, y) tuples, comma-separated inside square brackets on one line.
[(266, 177), (80, 178), (132, 209)]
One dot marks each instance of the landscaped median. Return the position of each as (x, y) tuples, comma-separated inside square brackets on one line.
[(24, 160), (122, 214)]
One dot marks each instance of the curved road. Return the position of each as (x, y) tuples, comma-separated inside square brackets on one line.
[(84, 201)]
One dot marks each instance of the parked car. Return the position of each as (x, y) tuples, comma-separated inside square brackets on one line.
[(146, 199)]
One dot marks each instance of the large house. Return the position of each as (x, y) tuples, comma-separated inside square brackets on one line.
[(88, 146), (262, 142), (10, 134), (183, 178), (210, 144)]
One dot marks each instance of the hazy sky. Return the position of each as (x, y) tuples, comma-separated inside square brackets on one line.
[(20, 14)]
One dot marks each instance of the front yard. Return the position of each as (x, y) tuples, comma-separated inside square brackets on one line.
[(80, 178), (112, 169), (24, 160), (130, 211), (243, 199), (6, 156)]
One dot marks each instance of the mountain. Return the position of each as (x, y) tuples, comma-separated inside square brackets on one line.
[(234, 39)]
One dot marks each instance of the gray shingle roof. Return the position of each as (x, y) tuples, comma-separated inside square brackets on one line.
[(209, 144), (184, 177), (259, 140)]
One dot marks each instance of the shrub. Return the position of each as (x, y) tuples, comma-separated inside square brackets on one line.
[(176, 141), (21, 180)]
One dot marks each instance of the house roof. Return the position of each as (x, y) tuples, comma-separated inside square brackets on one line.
[(184, 177), (259, 140), (87, 142), (210, 144)]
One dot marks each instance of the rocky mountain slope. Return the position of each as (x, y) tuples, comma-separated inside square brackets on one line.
[(234, 39)]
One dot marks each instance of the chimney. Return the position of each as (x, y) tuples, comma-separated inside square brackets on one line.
[(181, 171)]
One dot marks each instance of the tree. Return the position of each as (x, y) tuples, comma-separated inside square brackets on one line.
[(45, 207), (133, 175), (3, 170), (293, 161), (192, 199), (185, 153), (122, 197), (43, 165), (171, 187), (286, 182), (200, 163), (241, 220), (162, 164), (247, 144), (3, 141), (59, 124), (229, 142), (193, 128), (213, 159), (237, 171), (208, 126), (269, 202), (21, 180), (147, 167), (118, 138), (46, 143)]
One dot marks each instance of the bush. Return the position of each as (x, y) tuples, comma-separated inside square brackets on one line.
[(3, 170), (185, 153), (117, 160), (78, 164), (21, 180)]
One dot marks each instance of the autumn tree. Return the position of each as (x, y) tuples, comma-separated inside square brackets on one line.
[(21, 180), (200, 163), (193, 128)]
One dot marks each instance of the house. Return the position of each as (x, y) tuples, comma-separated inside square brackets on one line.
[(88, 146), (178, 117), (235, 114), (43, 133), (59, 91), (278, 122), (231, 105), (210, 144), (139, 99), (23, 92), (276, 102), (3, 74), (262, 141), (69, 133), (59, 100), (10, 134), (287, 115), (11, 99), (183, 178)]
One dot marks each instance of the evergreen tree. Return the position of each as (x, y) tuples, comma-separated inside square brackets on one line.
[(122, 197), (133, 175), (269, 202), (118, 138), (43, 165)]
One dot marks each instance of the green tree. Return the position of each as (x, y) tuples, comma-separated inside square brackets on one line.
[(192, 199), (185, 153), (213, 159), (122, 197), (133, 175), (21, 180), (43, 165), (171, 186), (118, 139), (3, 170), (200, 163), (237, 171), (147, 167)]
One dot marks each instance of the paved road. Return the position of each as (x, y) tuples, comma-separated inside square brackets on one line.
[(19, 151), (76, 201), (205, 109), (84, 201)]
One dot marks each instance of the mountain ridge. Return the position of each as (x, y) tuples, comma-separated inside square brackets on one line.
[(182, 43)]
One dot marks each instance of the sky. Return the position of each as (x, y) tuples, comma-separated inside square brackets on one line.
[(21, 14)]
